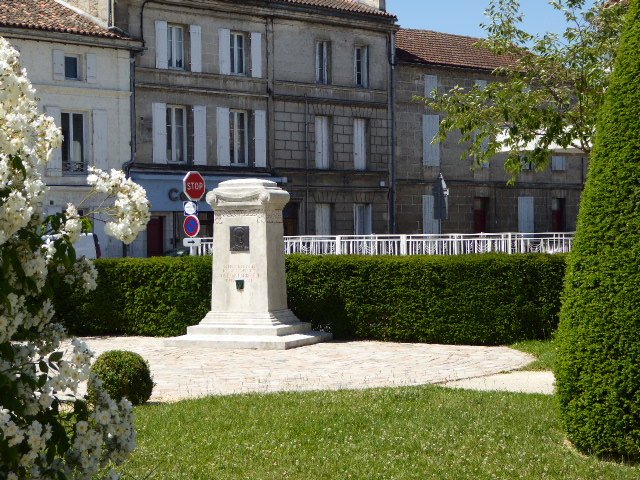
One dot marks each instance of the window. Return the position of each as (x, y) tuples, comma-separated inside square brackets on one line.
[(73, 143), (175, 52), (526, 164), (360, 144), (238, 149), (323, 219), (558, 163), (362, 219), (237, 53), (322, 62), (176, 134), (71, 67), (361, 60), (323, 147)]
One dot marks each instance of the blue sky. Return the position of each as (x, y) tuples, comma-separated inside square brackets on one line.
[(463, 17)]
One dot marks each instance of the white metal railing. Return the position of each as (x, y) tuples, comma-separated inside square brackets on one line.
[(453, 244)]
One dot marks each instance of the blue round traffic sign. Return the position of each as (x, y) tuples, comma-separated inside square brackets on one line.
[(191, 226)]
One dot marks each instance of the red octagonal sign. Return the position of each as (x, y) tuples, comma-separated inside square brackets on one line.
[(194, 186)]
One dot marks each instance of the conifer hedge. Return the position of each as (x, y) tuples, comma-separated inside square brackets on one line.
[(598, 366)]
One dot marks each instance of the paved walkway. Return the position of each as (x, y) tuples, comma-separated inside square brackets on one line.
[(181, 373)]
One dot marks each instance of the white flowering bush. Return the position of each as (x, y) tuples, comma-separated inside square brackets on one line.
[(46, 429)]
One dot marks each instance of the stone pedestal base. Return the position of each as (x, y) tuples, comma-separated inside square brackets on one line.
[(278, 330)]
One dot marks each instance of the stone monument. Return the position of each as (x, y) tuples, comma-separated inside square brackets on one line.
[(249, 293)]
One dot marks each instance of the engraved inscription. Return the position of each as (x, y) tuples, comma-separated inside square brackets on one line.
[(236, 272), (239, 239)]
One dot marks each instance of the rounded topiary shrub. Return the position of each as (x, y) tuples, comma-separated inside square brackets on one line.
[(598, 365), (123, 374)]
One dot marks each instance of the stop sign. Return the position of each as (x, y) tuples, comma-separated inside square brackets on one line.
[(193, 185)]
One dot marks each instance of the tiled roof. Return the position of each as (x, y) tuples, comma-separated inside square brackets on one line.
[(435, 48), (352, 6), (51, 16)]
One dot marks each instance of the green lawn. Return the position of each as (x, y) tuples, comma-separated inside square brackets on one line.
[(543, 350), (407, 433)]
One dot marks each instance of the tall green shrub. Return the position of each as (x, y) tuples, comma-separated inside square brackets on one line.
[(598, 368)]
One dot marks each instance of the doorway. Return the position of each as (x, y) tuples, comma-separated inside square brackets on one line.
[(155, 237)]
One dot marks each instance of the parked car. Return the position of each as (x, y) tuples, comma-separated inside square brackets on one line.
[(177, 252)]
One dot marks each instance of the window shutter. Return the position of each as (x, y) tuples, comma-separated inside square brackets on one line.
[(58, 65), (365, 68), (558, 163), (100, 139), (256, 54), (161, 44), (92, 68), (359, 144), (199, 135), (322, 134), (159, 132), (260, 117), (526, 215), (430, 151), (54, 168), (224, 50), (195, 32), (323, 219), (430, 226), (222, 126), (430, 84)]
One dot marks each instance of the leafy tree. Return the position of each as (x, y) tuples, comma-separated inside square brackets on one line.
[(598, 367), (548, 97)]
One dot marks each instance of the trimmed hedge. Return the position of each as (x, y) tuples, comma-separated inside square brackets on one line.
[(123, 374), (598, 364), (474, 299)]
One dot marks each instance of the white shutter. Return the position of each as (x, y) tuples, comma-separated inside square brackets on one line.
[(256, 54), (199, 135), (159, 132), (323, 219), (430, 151), (58, 65), (222, 127), (430, 226), (195, 37), (481, 84), (558, 163), (322, 142), (224, 50), (54, 168), (359, 144), (430, 84), (526, 215), (362, 219), (161, 44), (260, 128), (92, 68), (100, 139)]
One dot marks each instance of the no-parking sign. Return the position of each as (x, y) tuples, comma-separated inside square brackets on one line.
[(191, 226)]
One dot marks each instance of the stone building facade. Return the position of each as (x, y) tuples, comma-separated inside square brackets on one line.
[(480, 200), (81, 71), (290, 90)]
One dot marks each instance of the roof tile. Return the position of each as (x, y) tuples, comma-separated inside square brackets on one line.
[(435, 48), (352, 6), (51, 16)]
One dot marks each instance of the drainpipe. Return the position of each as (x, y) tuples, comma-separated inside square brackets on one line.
[(393, 227), (306, 164)]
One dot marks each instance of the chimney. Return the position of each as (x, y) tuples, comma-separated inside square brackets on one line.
[(377, 4)]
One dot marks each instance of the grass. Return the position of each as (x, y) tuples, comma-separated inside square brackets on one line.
[(407, 433), (543, 350)]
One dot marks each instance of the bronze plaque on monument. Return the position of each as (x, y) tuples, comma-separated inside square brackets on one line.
[(239, 239)]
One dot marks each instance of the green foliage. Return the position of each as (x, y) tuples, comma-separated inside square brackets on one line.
[(123, 374), (551, 92), (598, 366), (473, 299), (153, 297)]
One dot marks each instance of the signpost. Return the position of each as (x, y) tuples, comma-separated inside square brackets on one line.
[(194, 186), (191, 225)]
